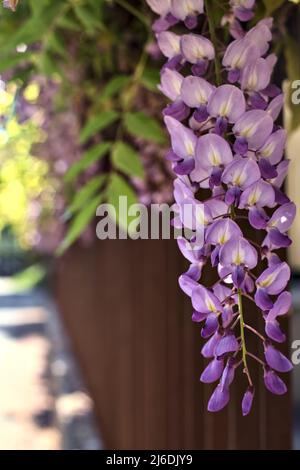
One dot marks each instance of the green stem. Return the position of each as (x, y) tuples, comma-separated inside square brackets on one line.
[(213, 37), (242, 325), (134, 11)]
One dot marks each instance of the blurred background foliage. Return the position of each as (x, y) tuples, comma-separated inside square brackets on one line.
[(81, 113)]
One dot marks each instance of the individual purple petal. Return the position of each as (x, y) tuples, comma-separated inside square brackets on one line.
[(222, 292), (239, 53), (191, 252), (227, 316), (243, 14), (267, 170), (248, 285), (241, 172), (233, 76), (161, 7), (240, 146), (205, 301), (200, 68), (219, 399), (274, 147), (275, 107), (257, 101), (198, 317), (274, 383), (228, 374), (211, 326), (212, 151), (171, 156), (221, 231), (195, 48), (238, 276), (227, 101), (282, 170), (283, 217), (232, 196), (185, 167), (272, 91), (187, 284), (278, 239), (255, 126), (178, 110), (235, 28), (262, 299), (183, 139), (280, 197), (183, 9), (256, 75), (221, 126), (182, 190), (259, 194), (261, 36), (258, 218), (274, 331), (228, 344), (276, 360), (201, 114), (217, 208), (247, 401), (170, 85), (194, 271), (274, 279), (238, 252), (195, 91), (281, 306), (169, 44), (213, 371), (208, 350), (164, 23)]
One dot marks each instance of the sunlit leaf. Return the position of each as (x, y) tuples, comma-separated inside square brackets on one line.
[(145, 127), (96, 124), (91, 156), (79, 224), (126, 159), (85, 193), (114, 86), (118, 187)]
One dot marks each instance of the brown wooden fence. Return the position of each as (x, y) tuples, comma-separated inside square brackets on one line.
[(140, 354)]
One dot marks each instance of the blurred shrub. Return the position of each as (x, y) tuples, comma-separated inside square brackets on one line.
[(98, 104)]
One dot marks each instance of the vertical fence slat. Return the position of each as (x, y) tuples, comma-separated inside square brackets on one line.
[(140, 354)]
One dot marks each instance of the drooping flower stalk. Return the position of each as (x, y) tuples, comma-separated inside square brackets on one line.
[(225, 140)]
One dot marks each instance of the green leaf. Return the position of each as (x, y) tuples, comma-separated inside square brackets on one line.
[(96, 124), (88, 20), (89, 157), (68, 23), (114, 85), (151, 79), (126, 159), (272, 5), (79, 224), (145, 127), (85, 193), (47, 65), (118, 187), (11, 61)]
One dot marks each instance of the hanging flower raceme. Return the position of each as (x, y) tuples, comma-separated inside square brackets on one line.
[(225, 139)]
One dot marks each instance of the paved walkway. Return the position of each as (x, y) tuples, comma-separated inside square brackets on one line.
[(26, 405), (42, 403)]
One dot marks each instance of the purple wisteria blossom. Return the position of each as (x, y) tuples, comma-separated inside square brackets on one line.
[(225, 140)]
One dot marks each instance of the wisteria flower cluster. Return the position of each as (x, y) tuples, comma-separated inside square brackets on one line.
[(225, 140)]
